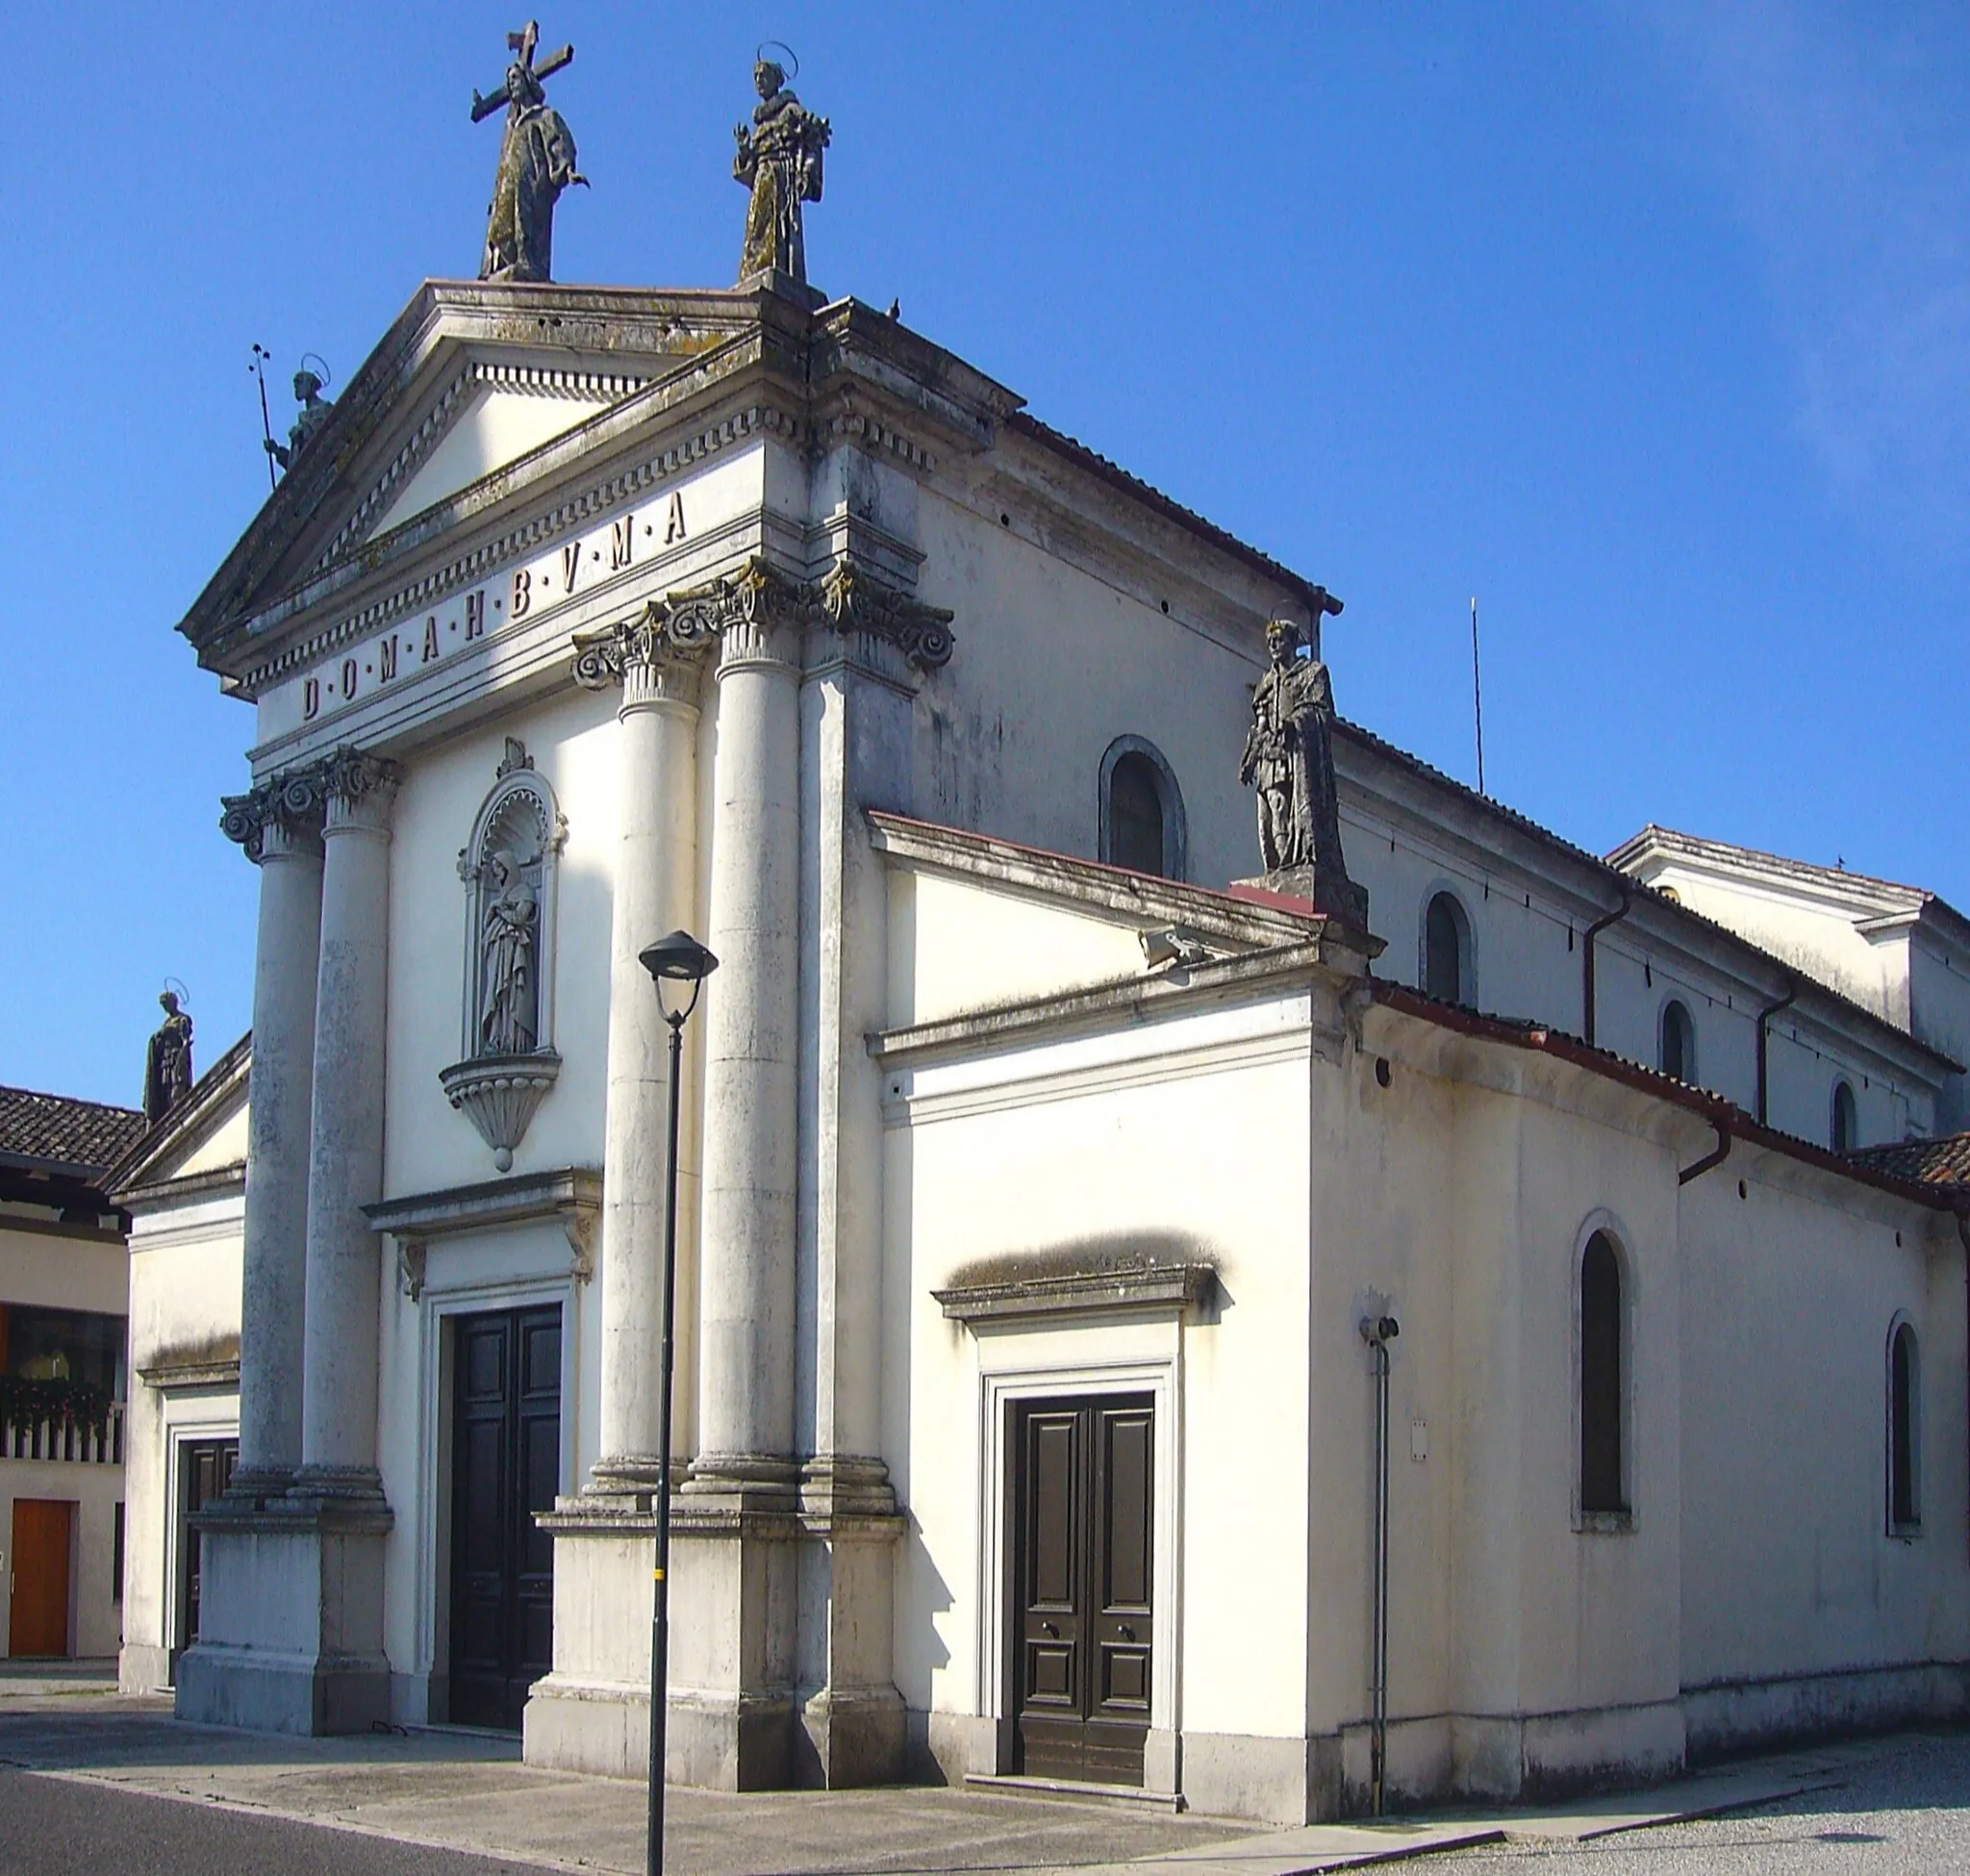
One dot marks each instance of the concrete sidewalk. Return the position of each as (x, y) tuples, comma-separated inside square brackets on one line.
[(460, 1791)]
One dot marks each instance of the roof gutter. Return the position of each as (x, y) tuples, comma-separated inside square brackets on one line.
[(1593, 931), (1765, 1015), (1721, 1114)]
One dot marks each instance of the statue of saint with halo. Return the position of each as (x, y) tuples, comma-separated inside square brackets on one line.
[(780, 159)]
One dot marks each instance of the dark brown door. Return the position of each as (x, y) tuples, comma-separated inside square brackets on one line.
[(1083, 1607), (506, 1466), (205, 1469), (37, 1619)]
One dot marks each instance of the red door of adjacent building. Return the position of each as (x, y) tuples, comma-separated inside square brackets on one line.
[(38, 1622)]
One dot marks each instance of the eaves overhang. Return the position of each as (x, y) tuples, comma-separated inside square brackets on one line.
[(1723, 1115)]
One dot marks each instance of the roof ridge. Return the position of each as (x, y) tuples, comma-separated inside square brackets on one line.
[(68, 1100)]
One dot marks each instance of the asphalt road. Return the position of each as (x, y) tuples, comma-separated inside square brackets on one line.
[(60, 1824), (1905, 1813)]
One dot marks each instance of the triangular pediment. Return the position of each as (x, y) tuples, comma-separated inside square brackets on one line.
[(472, 379), (489, 413)]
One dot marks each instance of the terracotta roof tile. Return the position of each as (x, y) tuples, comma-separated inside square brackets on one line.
[(88, 1135), (1925, 1162)]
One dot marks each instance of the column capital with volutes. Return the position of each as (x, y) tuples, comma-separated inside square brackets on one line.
[(280, 817)]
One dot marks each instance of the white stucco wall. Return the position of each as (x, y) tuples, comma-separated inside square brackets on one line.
[(184, 1293)]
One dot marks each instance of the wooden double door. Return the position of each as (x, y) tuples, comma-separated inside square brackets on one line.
[(1082, 1586), (506, 1466)]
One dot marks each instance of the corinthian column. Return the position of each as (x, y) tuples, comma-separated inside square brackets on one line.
[(655, 891), (345, 1160), (279, 824), (747, 1308)]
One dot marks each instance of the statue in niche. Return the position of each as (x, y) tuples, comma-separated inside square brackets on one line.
[(509, 996), (1289, 760), (536, 163), (167, 1061), (779, 160)]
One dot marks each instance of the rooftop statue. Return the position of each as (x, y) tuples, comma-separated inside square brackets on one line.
[(1289, 759), (167, 1061), (316, 410), (780, 159), (535, 164)]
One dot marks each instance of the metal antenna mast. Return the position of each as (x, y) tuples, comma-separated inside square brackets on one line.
[(1478, 694)]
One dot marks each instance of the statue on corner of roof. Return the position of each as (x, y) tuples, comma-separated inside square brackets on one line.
[(315, 411), (535, 164), (167, 1061), (1289, 759), (779, 160)]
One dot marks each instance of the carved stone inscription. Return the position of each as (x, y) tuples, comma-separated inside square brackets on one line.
[(607, 547)]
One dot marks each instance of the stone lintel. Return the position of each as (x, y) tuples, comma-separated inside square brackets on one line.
[(1161, 1288)]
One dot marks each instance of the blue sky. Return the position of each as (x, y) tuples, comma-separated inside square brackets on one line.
[(1647, 325)]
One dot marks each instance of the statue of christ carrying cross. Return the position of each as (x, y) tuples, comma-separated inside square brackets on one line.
[(535, 164)]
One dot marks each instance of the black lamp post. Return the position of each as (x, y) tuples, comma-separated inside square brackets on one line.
[(678, 958)]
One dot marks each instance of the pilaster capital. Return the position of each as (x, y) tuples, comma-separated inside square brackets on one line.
[(279, 816)]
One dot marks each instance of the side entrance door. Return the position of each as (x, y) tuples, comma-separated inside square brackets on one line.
[(506, 1465), (1079, 1573), (205, 1469), (38, 1602)]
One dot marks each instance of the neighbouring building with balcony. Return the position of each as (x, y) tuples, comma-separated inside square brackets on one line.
[(64, 1281)]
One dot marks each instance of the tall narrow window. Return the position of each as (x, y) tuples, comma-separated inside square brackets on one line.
[(1142, 825), (1601, 1388), (1446, 951), (1905, 1506), (1845, 1130), (1678, 1058), (1135, 815)]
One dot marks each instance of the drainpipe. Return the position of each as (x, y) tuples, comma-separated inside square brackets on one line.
[(1765, 1015), (1378, 1331), (1697, 1168), (1593, 931)]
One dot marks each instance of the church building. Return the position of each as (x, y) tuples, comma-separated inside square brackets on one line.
[(1406, 1309)]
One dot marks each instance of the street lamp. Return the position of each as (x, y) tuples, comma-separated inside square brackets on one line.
[(681, 959)]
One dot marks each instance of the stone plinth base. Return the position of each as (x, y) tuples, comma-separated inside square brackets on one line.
[(1332, 893), (290, 1618), (780, 1634)]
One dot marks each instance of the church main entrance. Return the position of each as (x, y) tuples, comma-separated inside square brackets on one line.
[(1080, 1530), (506, 1466)]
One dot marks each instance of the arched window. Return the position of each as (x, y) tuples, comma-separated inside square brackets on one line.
[(1679, 1045), (1845, 1131), (1905, 1501), (1446, 973), (1142, 821), (1602, 1489)]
